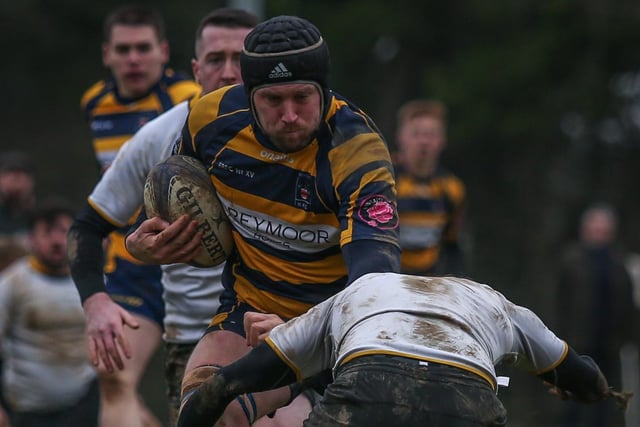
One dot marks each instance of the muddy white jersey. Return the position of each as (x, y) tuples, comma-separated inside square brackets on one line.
[(43, 339), (440, 319), (190, 294)]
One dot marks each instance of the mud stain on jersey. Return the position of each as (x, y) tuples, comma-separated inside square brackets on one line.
[(425, 285)]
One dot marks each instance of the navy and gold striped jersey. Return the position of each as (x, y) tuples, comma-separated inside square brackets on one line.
[(292, 212), (430, 211), (114, 119)]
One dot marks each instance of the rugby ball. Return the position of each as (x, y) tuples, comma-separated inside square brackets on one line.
[(181, 185)]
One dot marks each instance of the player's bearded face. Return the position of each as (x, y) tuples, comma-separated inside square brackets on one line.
[(48, 242), (289, 114)]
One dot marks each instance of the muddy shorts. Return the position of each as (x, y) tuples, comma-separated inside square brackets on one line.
[(396, 391), (175, 362)]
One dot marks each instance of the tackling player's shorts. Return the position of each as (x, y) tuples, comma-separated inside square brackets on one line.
[(400, 391), (138, 289)]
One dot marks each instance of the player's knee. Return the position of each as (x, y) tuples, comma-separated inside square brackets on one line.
[(193, 379), (114, 385)]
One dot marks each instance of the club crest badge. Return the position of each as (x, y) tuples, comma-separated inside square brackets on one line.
[(304, 187), (378, 212)]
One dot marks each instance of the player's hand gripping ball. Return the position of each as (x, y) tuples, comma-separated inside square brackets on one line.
[(181, 185)]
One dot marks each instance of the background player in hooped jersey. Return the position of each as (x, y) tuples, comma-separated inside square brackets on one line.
[(191, 294), (431, 200), (140, 88), (307, 182), (406, 351)]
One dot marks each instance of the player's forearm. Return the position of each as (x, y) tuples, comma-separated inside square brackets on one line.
[(86, 253), (580, 376), (260, 370), (370, 256)]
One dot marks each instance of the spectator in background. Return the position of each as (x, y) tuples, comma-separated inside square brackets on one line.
[(140, 88), (17, 198), (47, 378), (430, 199), (595, 310)]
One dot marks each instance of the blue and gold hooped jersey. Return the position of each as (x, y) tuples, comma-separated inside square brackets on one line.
[(431, 212), (292, 212), (114, 119)]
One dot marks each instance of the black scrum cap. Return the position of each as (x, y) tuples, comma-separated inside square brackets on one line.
[(284, 49)]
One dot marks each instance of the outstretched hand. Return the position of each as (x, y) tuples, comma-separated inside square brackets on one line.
[(106, 321), (158, 242), (621, 397)]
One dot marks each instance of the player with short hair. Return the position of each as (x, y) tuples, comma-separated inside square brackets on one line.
[(431, 200), (307, 182), (190, 294), (140, 87), (405, 351)]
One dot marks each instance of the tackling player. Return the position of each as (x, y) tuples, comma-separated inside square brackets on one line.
[(405, 351)]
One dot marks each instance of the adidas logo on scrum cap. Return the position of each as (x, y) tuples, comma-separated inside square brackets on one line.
[(280, 71), (283, 40)]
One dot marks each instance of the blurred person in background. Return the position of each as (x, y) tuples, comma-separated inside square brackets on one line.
[(17, 198), (431, 199), (47, 378), (191, 294), (595, 309), (141, 87)]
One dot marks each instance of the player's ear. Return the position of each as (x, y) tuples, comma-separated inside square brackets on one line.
[(164, 47), (105, 55)]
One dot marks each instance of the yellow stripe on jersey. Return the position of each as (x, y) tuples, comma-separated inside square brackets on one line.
[(430, 212), (324, 271), (351, 155), (268, 302), (488, 378), (117, 249), (285, 359), (104, 215), (285, 208)]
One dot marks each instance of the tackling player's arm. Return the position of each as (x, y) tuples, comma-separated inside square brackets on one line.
[(370, 256), (260, 370), (577, 377)]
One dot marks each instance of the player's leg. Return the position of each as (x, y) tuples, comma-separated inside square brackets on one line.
[(120, 403), (176, 358), (224, 343), (138, 289)]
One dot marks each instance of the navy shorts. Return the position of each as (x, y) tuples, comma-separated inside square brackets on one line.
[(395, 391), (138, 289), (230, 315)]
